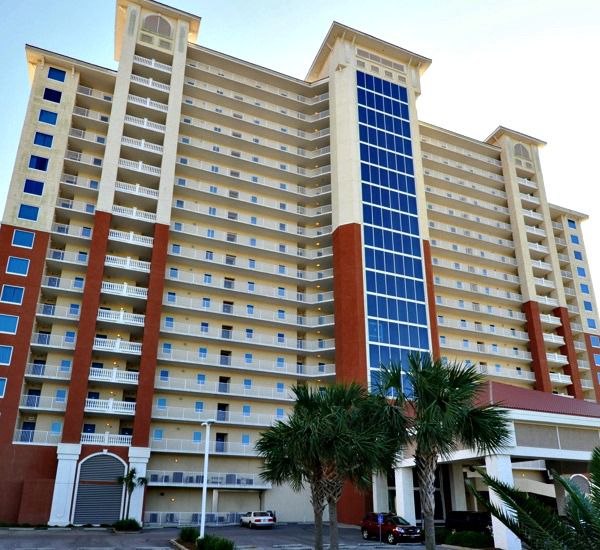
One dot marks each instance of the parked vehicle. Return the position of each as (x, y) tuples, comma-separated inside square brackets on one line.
[(257, 519), (273, 515), (394, 529), (469, 521)]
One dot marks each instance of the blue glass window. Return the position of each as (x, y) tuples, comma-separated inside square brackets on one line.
[(164, 376), (5, 355), (574, 239), (247, 383), (279, 413), (56, 427), (161, 403), (12, 294), (197, 437), (158, 434), (52, 95), (8, 324), (56, 74), (280, 387), (581, 272), (167, 347), (595, 341), (17, 266), (199, 406), (201, 379), (48, 117), (597, 359), (591, 323), (65, 365), (23, 238), (171, 297), (248, 358), (43, 140), (588, 306), (33, 187), (572, 224), (61, 396), (246, 410), (38, 163), (585, 289), (2, 387), (578, 255), (28, 212), (245, 439)]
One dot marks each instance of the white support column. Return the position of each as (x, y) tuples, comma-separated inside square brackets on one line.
[(458, 495), (62, 498), (500, 468), (138, 459), (215, 501), (405, 494), (380, 493)]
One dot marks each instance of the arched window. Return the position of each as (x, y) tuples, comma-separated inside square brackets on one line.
[(521, 151), (158, 25)]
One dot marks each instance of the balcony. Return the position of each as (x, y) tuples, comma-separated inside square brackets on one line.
[(482, 272), (505, 243), (58, 312), (80, 182), (84, 158), (42, 403), (69, 285), (145, 123), (117, 346), (550, 319), (48, 372), (122, 317), (181, 355), (579, 346), (476, 220), (130, 237), (587, 385), (477, 289), (469, 202), (529, 198), (124, 290), (527, 183), (189, 414), (479, 328), (487, 349), (471, 186), (75, 231), (91, 92), (234, 390), (152, 63), (90, 114), (547, 300), (504, 372), (566, 274), (583, 365), (97, 141), (105, 439), (171, 478), (554, 339), (76, 206), (134, 213), (535, 230), (127, 263), (197, 447), (461, 150), (139, 166), (532, 214), (536, 247), (43, 340), (151, 83), (559, 379), (557, 225), (243, 337), (557, 359), (545, 283), (36, 437), (137, 189), (147, 102), (110, 406), (114, 375), (485, 310), (480, 254)]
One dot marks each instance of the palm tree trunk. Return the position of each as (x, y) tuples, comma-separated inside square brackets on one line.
[(318, 505), (334, 539), (426, 473), (130, 492)]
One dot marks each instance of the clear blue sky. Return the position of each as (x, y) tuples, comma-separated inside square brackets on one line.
[(531, 65)]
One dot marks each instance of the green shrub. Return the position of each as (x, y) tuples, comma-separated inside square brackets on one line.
[(210, 542), (127, 525), (189, 534), (441, 534), (471, 539)]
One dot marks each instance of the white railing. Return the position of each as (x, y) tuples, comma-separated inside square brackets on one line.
[(460, 150), (528, 197), (572, 309), (587, 384), (77, 206), (133, 213), (477, 252), (91, 92), (36, 437), (109, 406), (121, 317), (130, 237), (213, 388), (557, 358), (136, 189), (554, 339), (127, 263), (504, 372), (535, 230), (91, 114), (124, 290), (576, 327), (579, 346), (478, 289), (105, 439), (489, 349), (144, 123), (44, 402), (78, 181), (541, 265), (114, 375), (557, 225), (471, 234), (151, 83), (468, 200), (461, 182), (483, 272), (490, 310), (55, 372), (63, 312), (190, 446), (547, 300), (550, 319), (72, 230), (532, 214), (259, 290), (538, 248), (142, 144), (547, 283), (87, 136), (481, 220), (583, 364), (147, 102), (222, 417), (560, 241), (53, 340), (124, 346), (558, 378), (483, 329), (214, 479), (84, 158), (527, 183), (283, 368), (152, 63), (74, 285), (139, 166)]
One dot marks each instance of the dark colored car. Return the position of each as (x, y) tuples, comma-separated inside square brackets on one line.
[(469, 521), (394, 529)]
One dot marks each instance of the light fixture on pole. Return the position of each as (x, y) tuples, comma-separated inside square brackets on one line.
[(207, 423)]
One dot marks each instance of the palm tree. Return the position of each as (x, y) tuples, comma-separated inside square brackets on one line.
[(335, 434), (441, 403), (541, 528), (131, 480)]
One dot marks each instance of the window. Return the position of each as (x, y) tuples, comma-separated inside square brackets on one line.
[(52, 95), (578, 255), (38, 163), (280, 314), (248, 358), (2, 386), (5, 355), (281, 291), (12, 294), (201, 379), (24, 239), (203, 326), (56, 427), (56, 74), (249, 333), (205, 302), (199, 406), (209, 255), (158, 434), (588, 306), (251, 286), (70, 337), (158, 25), (61, 396), (202, 353), (245, 439), (595, 341), (207, 278), (279, 413), (250, 309), (521, 151), (65, 365), (572, 224), (43, 140), (166, 347), (8, 324), (171, 297), (597, 359), (164, 376), (33, 187), (280, 362), (246, 410), (173, 272), (280, 338), (197, 437), (161, 403), (585, 289), (591, 323), (581, 272), (574, 239), (280, 387), (28, 212), (47, 117), (252, 241), (251, 263), (212, 211)]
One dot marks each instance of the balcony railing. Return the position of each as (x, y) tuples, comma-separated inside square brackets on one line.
[(136, 189), (142, 144), (53, 372), (485, 273), (62, 312), (114, 375), (460, 150), (72, 230), (80, 258), (75, 285), (53, 340), (489, 310), (503, 372), (151, 83), (557, 358), (121, 317), (560, 379), (152, 63), (145, 123), (139, 166), (117, 345), (195, 479), (78, 181), (127, 263), (36, 437), (130, 237), (196, 447), (460, 214), (124, 290), (459, 181), (147, 102), (110, 406), (483, 329), (189, 414), (105, 439), (91, 92), (43, 402), (488, 349)]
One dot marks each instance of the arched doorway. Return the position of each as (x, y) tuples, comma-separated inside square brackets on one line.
[(99, 496)]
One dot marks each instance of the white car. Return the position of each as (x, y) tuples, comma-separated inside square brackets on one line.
[(257, 519)]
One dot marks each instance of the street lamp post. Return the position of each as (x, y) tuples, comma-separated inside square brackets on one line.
[(205, 477)]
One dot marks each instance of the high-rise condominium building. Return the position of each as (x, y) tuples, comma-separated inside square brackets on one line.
[(187, 237)]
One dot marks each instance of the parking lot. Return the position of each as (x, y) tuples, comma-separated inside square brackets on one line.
[(282, 537)]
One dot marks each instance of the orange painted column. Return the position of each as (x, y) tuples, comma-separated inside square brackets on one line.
[(568, 349), (431, 309), (145, 392), (86, 332), (537, 346)]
